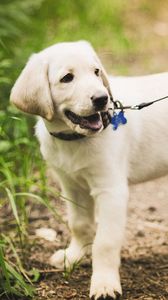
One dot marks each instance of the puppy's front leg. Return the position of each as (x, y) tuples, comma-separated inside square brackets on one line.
[(111, 205), (81, 224)]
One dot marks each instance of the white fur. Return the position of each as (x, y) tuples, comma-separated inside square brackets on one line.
[(95, 171)]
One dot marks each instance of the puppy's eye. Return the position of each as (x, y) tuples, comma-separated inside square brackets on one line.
[(97, 72), (67, 78)]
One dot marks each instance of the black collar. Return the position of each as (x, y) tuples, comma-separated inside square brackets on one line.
[(67, 136), (106, 117)]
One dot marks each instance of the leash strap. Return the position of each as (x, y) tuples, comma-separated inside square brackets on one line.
[(118, 118), (118, 104)]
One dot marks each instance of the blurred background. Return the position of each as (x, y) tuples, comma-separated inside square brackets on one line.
[(131, 38)]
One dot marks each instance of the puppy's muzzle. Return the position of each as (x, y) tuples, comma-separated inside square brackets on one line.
[(99, 102)]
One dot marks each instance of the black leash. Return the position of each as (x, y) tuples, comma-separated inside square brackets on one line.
[(118, 104), (118, 118)]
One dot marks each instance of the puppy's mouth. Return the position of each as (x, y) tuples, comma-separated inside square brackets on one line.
[(93, 122)]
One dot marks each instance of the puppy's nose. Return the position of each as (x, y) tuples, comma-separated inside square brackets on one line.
[(99, 102)]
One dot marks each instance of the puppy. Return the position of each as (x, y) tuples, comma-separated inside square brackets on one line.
[(67, 86)]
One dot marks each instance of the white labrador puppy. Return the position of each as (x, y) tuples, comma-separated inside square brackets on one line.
[(67, 86)]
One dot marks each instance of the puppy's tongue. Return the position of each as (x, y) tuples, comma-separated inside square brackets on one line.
[(93, 122)]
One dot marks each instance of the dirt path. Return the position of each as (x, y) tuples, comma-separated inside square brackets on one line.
[(144, 270)]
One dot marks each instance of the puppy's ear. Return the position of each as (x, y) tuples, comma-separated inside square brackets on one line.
[(104, 76), (106, 81), (31, 92)]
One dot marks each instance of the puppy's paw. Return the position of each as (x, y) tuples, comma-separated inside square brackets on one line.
[(117, 297), (105, 287), (65, 259), (58, 259)]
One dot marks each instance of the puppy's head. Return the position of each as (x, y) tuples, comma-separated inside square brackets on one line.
[(65, 82)]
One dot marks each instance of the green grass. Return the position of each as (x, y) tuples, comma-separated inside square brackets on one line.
[(14, 279), (17, 174)]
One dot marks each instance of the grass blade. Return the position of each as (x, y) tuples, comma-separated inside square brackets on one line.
[(43, 201), (13, 205), (4, 270), (28, 290), (19, 263)]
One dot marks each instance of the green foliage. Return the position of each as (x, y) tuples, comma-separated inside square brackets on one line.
[(15, 13), (15, 146), (14, 18), (84, 20), (63, 20)]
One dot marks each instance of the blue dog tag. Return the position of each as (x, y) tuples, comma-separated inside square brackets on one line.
[(118, 119)]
